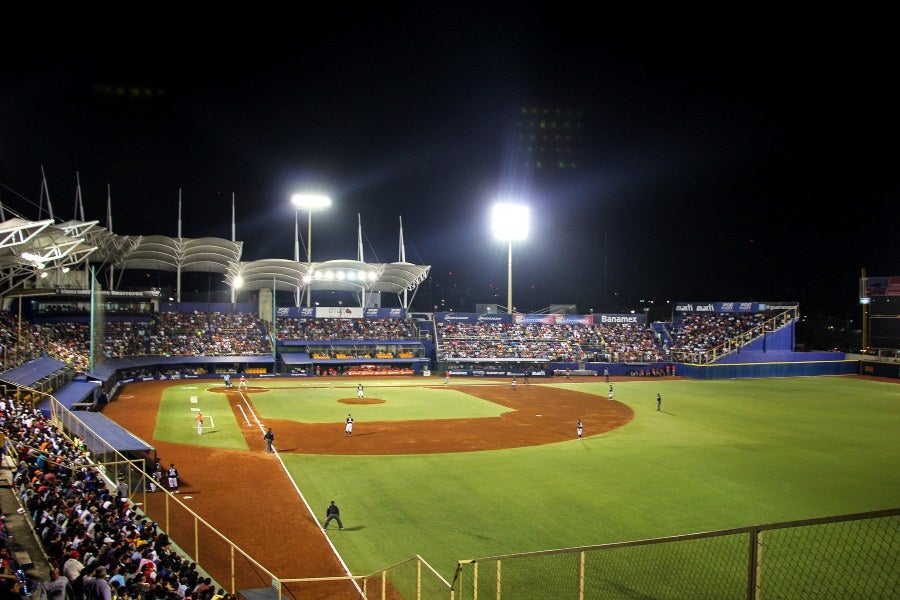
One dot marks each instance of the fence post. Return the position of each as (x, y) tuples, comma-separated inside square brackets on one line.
[(581, 575), (754, 563), (499, 580)]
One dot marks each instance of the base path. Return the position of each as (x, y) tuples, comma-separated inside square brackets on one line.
[(539, 415), (249, 498)]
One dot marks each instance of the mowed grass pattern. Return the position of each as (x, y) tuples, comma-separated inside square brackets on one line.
[(310, 404), (175, 421), (720, 454)]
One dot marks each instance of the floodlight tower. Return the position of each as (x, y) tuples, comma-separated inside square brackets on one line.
[(510, 222), (310, 203)]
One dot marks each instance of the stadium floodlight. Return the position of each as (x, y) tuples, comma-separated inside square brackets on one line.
[(36, 259), (310, 203), (510, 222)]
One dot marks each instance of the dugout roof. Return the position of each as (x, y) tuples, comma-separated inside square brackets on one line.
[(32, 372), (78, 392), (108, 367), (93, 424)]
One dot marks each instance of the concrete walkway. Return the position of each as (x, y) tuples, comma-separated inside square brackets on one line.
[(24, 544)]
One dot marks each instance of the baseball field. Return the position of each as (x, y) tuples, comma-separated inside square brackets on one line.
[(477, 468)]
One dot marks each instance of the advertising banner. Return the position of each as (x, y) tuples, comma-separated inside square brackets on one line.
[(540, 319), (733, 307), (879, 286), (454, 317), (620, 319), (385, 313), (340, 312)]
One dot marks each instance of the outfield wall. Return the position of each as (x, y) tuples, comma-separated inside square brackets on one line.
[(879, 369), (770, 369)]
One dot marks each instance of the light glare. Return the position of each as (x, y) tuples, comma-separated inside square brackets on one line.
[(510, 221), (311, 201)]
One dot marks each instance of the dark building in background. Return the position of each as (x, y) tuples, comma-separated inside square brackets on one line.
[(549, 139)]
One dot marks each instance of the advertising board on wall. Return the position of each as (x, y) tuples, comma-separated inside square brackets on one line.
[(733, 307)]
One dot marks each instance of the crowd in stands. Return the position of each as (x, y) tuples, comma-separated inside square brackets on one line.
[(97, 544), (560, 343), (500, 340), (624, 342), (181, 334), (208, 334), (296, 328), (695, 335), (167, 334), (220, 334)]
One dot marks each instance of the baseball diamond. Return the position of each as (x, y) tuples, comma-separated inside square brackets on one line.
[(224, 486), (214, 477)]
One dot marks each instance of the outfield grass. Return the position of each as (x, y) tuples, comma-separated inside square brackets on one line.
[(320, 404), (720, 454)]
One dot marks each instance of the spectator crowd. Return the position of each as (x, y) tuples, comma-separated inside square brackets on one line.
[(695, 336), (98, 545)]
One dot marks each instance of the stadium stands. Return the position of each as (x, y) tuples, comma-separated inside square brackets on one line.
[(307, 346), (86, 522)]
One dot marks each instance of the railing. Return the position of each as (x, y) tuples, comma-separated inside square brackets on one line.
[(411, 579), (847, 556), (732, 345), (881, 354), (224, 560)]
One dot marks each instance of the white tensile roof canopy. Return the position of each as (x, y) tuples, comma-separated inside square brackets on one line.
[(29, 250)]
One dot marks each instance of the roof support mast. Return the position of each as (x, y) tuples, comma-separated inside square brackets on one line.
[(178, 266)]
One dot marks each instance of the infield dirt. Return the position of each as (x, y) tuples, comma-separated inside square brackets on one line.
[(248, 497)]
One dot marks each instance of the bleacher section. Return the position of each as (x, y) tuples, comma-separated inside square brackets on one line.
[(58, 480), (209, 344)]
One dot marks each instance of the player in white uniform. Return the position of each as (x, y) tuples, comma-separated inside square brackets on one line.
[(348, 428)]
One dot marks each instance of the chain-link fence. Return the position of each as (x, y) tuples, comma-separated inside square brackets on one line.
[(849, 556), (221, 558), (412, 579)]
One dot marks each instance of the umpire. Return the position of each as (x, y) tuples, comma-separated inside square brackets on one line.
[(333, 512)]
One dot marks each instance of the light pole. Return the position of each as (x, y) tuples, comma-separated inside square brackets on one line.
[(309, 203), (510, 222)]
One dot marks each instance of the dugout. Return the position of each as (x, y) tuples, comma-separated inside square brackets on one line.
[(77, 395), (496, 367), (43, 374), (353, 357), (115, 372), (109, 443)]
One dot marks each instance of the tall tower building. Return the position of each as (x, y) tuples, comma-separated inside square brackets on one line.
[(549, 139)]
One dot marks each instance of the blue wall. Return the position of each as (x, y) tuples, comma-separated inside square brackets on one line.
[(773, 369)]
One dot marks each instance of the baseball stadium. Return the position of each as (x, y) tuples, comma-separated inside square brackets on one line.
[(491, 454)]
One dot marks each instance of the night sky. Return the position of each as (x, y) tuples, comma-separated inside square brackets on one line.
[(749, 157)]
